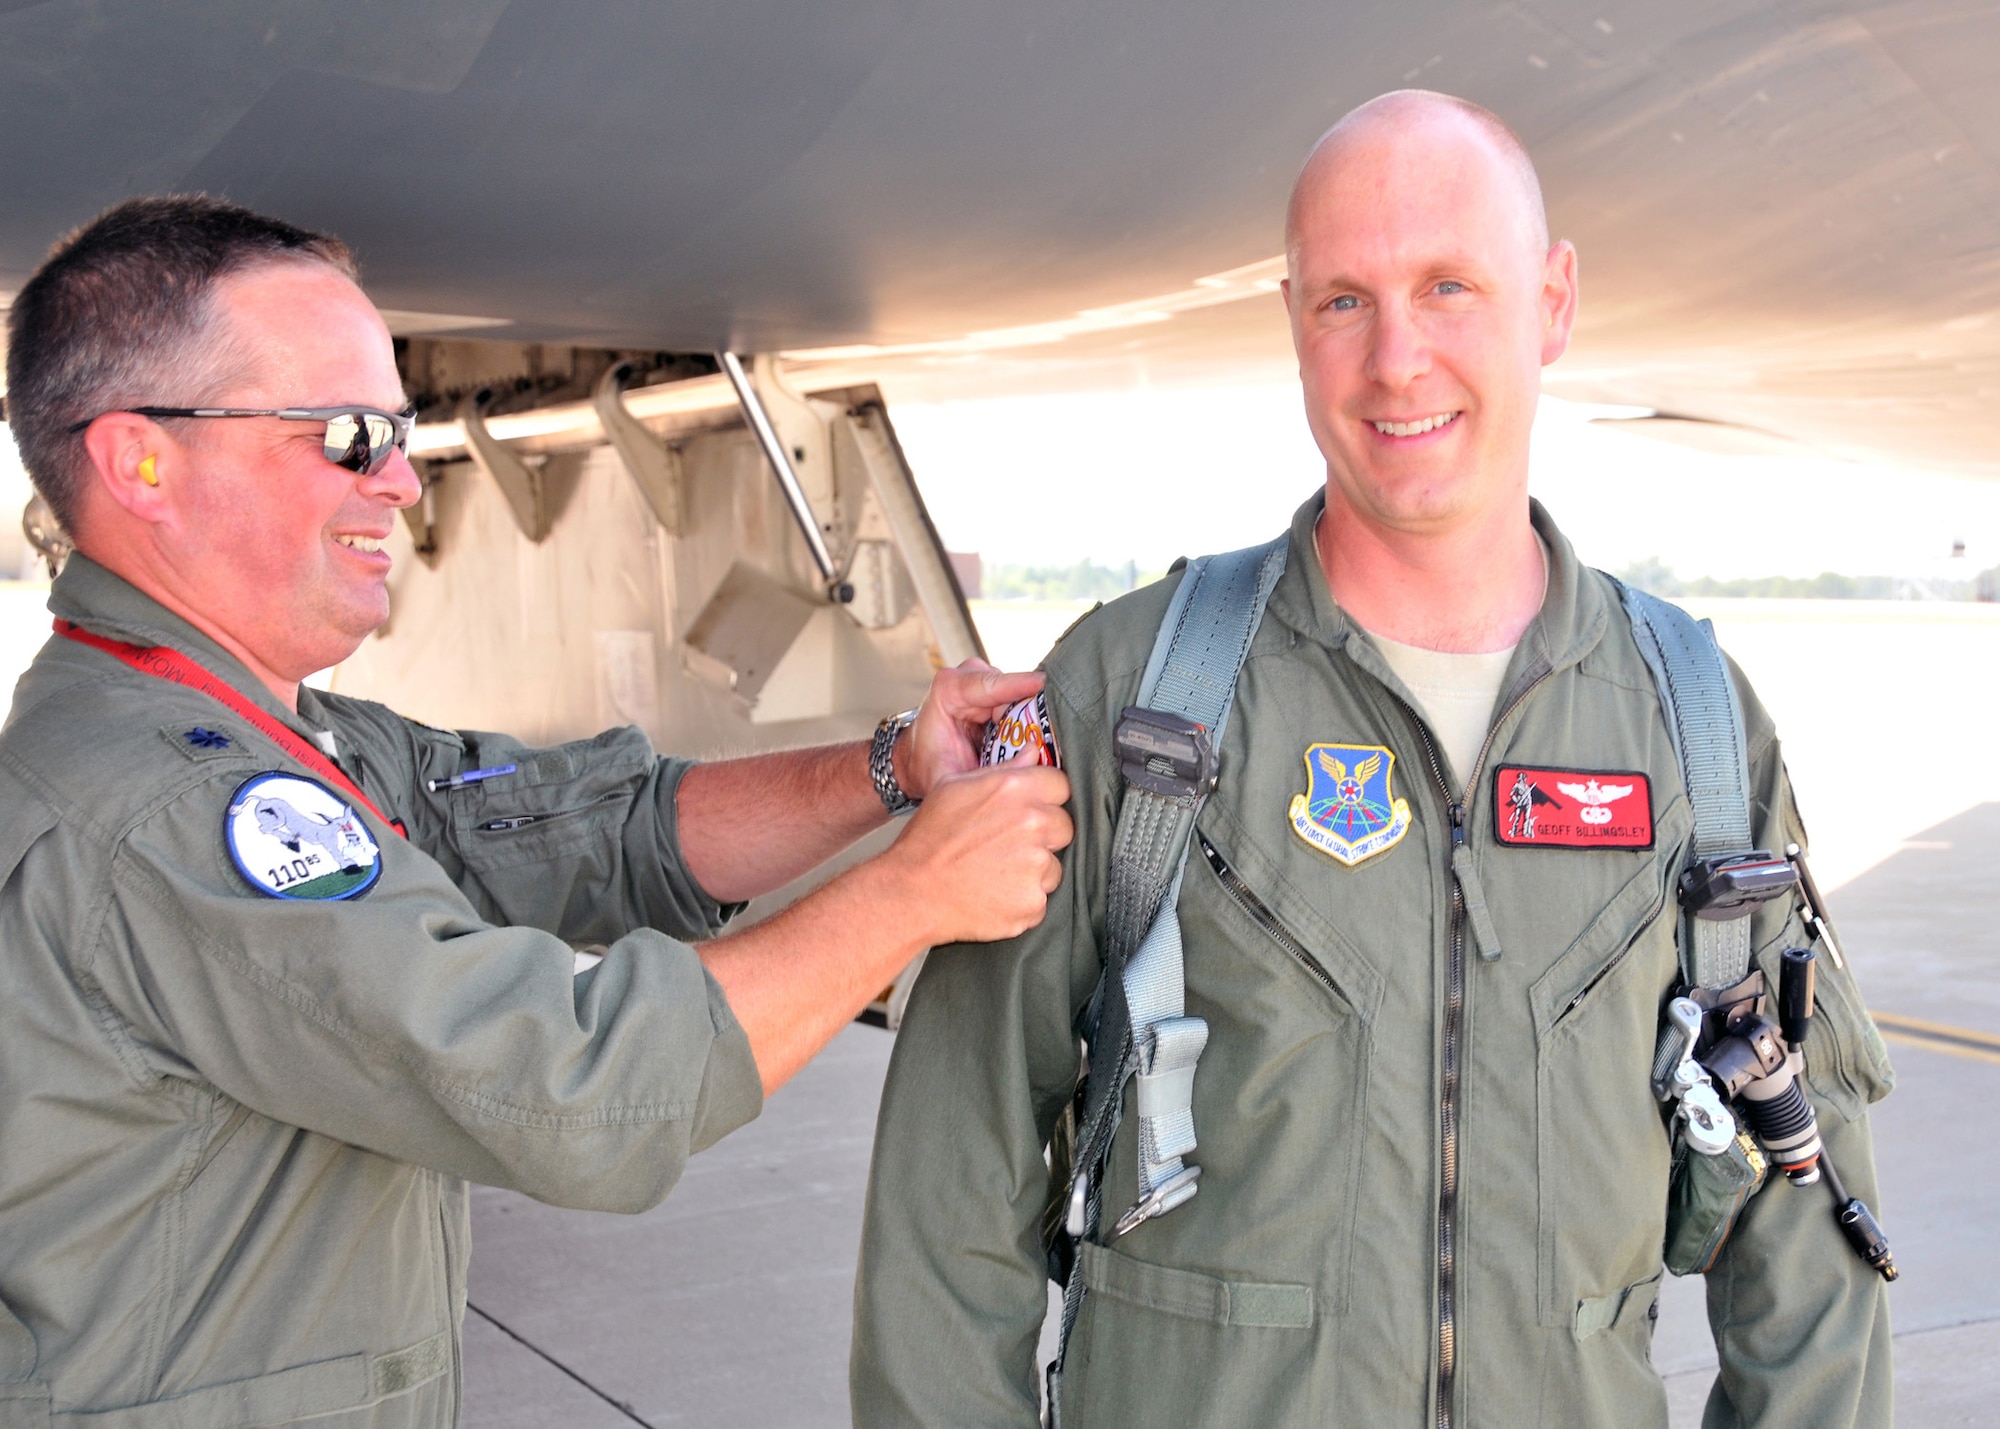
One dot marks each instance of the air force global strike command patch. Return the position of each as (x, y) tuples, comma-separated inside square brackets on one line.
[(1349, 810), (1572, 808), (291, 837)]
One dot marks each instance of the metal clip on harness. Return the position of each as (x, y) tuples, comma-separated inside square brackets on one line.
[(1732, 885), (1164, 753)]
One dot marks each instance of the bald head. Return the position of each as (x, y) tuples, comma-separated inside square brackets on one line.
[(1425, 298), (1400, 137)]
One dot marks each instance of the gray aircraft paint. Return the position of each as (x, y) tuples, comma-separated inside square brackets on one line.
[(1788, 209)]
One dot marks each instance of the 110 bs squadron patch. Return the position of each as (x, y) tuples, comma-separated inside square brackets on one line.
[(1349, 811), (291, 837)]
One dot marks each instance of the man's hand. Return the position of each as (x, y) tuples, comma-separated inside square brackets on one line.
[(978, 861), (952, 720), (748, 826)]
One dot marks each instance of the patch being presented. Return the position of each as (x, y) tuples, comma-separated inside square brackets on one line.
[(1572, 808), (1023, 732), (291, 837), (1349, 810)]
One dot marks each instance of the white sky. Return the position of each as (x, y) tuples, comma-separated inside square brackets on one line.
[(1151, 475)]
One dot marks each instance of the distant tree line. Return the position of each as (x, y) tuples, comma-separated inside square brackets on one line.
[(1086, 580), (1653, 575), (1089, 580)]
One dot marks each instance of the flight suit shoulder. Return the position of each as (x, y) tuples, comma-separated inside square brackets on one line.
[(384, 727), (106, 750), (1107, 648)]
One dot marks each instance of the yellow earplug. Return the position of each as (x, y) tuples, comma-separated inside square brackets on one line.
[(147, 474)]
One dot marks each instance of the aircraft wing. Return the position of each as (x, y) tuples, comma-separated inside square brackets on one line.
[(1788, 210)]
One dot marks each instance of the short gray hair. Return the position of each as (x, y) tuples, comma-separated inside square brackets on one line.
[(121, 314)]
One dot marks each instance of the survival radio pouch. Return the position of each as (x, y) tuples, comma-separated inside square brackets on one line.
[(1137, 1028), (1717, 1167)]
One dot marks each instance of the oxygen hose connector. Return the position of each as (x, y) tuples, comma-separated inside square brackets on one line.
[(1858, 1224), (1776, 1105), (1759, 1064)]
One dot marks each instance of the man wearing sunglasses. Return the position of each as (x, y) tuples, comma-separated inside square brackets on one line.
[(283, 971)]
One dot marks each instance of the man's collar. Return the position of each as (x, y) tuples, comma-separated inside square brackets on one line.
[(1568, 626), (107, 604)]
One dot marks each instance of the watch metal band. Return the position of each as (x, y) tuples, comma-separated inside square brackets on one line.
[(882, 763)]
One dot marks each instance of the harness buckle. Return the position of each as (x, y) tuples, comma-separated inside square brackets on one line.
[(1158, 1201), (1732, 885), (1079, 1205), (1165, 753)]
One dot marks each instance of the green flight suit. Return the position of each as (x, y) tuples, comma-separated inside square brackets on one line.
[(236, 1130), (1327, 1272)]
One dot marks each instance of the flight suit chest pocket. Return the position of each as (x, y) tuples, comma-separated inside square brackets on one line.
[(1603, 1158), (1281, 1092)]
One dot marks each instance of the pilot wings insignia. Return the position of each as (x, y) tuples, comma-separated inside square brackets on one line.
[(1337, 771), (1595, 797), (1349, 810)]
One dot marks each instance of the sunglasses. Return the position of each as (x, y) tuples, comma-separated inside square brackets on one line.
[(357, 438)]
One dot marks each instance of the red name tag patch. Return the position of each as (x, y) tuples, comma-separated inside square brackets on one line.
[(1572, 808)]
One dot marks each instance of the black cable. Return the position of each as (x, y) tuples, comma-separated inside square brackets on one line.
[(618, 1404)]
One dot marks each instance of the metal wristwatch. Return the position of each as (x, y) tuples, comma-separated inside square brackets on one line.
[(882, 763)]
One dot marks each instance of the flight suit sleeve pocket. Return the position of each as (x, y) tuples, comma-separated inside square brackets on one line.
[(559, 802), (28, 818), (1194, 1296), (25, 1406), (24, 1400), (581, 840), (1846, 1060)]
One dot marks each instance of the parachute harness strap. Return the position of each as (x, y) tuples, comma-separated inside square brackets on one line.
[(1705, 717), (1143, 1031)]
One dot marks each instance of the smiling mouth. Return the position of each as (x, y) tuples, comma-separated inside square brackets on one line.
[(370, 544), (1416, 428)]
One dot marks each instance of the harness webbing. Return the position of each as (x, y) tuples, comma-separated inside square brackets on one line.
[(1705, 718), (1142, 1027)]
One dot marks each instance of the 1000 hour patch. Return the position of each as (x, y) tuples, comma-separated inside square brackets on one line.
[(292, 837)]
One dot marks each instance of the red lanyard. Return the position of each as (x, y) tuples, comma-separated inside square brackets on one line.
[(165, 664)]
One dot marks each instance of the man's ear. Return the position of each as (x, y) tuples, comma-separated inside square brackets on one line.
[(1559, 299), (134, 463)]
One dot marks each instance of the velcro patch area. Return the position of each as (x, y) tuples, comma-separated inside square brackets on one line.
[(1572, 808)]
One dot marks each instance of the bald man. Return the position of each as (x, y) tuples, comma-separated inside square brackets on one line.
[(1433, 1176)]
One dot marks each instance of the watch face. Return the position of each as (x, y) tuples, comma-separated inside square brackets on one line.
[(1023, 732)]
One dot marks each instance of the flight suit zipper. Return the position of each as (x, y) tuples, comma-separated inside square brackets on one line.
[(1448, 1084), (1260, 913), (1611, 967)]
